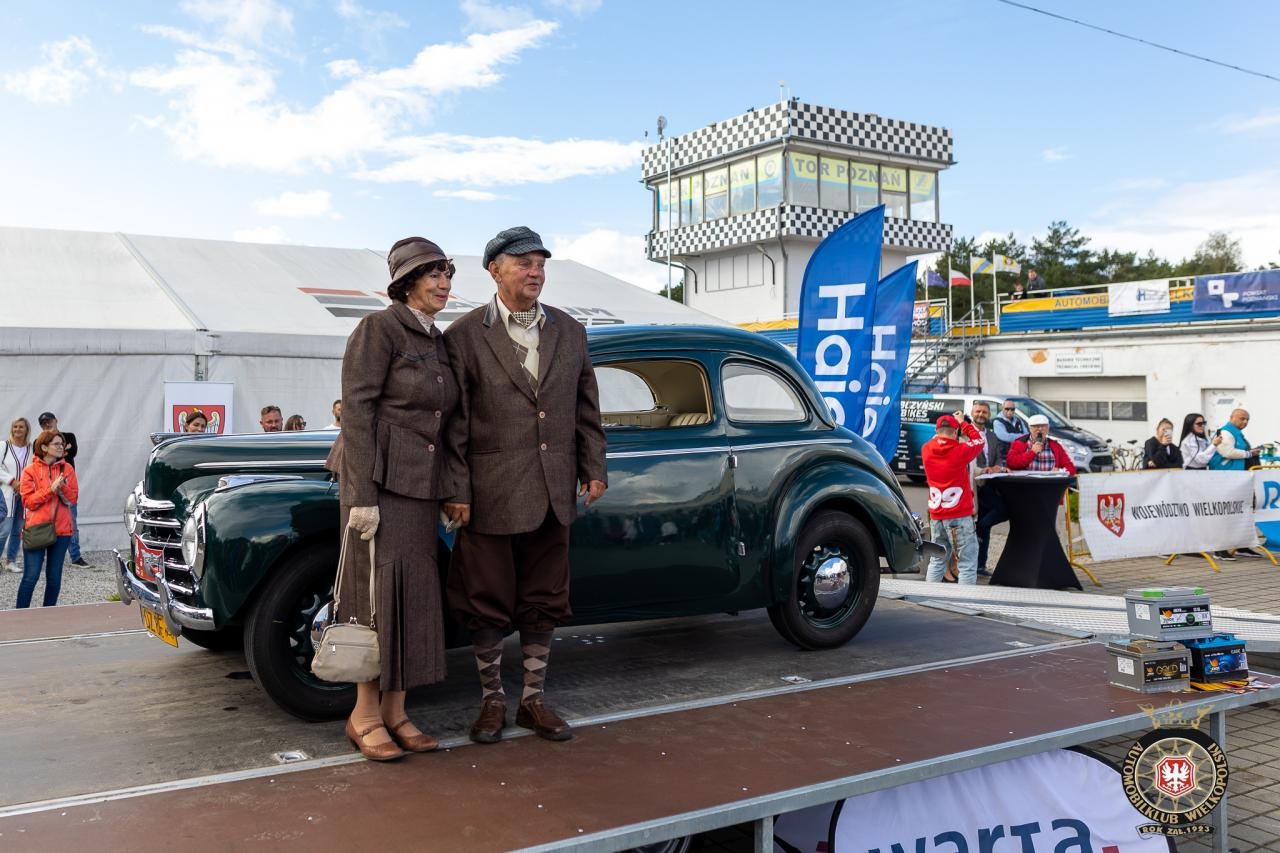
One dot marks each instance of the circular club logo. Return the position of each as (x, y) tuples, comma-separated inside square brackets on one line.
[(1175, 777)]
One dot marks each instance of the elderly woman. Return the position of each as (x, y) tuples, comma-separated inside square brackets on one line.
[(397, 394), (49, 488), (1160, 450), (15, 456)]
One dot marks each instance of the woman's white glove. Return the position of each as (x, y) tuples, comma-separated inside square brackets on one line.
[(364, 520)]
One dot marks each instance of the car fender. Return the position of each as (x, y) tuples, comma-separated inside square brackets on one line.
[(249, 528), (837, 485)]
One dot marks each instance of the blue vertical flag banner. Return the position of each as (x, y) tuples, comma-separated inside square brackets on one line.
[(891, 341), (837, 297)]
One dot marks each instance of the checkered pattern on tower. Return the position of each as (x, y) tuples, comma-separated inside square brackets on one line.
[(871, 133), (797, 221)]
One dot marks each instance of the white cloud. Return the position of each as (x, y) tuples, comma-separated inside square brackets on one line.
[(470, 195), (69, 66), (618, 254), (503, 160), (372, 25), (577, 7), (229, 112), (484, 17), (1055, 155), (297, 205), (248, 20), (1264, 120), (1176, 221), (265, 234)]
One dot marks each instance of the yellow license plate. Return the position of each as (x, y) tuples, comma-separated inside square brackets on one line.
[(155, 625)]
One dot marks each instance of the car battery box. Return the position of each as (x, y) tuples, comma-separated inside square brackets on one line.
[(1148, 666), (1220, 657), (1168, 613)]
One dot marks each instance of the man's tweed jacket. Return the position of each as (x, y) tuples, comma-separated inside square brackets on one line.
[(512, 450)]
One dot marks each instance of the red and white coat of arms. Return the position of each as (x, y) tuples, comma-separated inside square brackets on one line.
[(1111, 512)]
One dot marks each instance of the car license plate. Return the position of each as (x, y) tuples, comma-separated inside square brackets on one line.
[(156, 627)]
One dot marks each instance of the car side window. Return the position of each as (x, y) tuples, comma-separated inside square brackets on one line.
[(653, 394), (755, 395)]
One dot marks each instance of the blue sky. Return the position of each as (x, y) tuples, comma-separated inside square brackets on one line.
[(357, 122)]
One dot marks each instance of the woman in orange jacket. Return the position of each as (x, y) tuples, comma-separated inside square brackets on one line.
[(49, 488)]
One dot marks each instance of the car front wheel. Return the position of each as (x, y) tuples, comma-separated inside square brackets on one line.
[(277, 638), (835, 581)]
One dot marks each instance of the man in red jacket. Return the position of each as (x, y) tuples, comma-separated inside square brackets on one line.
[(946, 467), (1037, 451)]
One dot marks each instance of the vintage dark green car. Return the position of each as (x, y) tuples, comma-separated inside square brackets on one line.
[(730, 488)]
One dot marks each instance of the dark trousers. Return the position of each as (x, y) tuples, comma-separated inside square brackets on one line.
[(991, 511), (518, 581)]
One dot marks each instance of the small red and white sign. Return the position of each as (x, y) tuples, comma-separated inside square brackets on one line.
[(1175, 775), (1111, 512)]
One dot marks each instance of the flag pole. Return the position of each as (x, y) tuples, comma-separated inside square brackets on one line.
[(949, 286)]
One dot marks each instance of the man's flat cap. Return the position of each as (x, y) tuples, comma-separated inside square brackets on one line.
[(519, 240)]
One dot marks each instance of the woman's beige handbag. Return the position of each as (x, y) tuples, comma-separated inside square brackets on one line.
[(348, 651)]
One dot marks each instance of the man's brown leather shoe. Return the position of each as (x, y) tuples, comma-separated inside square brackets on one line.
[(493, 716), (535, 715), (374, 752)]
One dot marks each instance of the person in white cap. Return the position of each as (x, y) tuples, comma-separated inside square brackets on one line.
[(1037, 451)]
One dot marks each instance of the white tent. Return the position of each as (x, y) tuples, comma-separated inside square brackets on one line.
[(92, 325)]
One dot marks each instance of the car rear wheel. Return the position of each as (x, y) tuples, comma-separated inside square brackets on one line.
[(277, 638), (226, 640), (834, 583)]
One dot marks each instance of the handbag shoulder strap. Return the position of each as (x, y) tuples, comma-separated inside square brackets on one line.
[(337, 582)]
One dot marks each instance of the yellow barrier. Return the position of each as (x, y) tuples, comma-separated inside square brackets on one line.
[(1072, 540)]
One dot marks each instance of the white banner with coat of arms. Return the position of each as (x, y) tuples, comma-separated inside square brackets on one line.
[(1142, 514)]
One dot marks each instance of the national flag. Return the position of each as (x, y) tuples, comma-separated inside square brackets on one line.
[(932, 279), (1004, 263), (959, 279), (978, 266)]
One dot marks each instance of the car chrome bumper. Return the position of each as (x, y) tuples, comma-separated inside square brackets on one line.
[(159, 600)]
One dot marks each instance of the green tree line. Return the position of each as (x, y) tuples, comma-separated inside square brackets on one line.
[(1062, 257)]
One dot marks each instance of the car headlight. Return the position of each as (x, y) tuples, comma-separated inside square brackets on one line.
[(131, 513), (190, 541), (1077, 452)]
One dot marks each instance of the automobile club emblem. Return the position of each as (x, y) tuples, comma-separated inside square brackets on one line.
[(1174, 778), (1111, 512)]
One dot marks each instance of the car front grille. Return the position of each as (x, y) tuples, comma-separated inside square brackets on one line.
[(159, 531)]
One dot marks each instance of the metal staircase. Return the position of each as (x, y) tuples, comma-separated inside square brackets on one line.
[(933, 358)]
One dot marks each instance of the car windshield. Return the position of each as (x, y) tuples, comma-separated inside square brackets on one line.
[(1029, 406)]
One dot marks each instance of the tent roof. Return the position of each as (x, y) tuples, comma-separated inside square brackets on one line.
[(87, 280)]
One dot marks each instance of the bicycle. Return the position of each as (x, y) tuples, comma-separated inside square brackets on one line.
[(1126, 457)]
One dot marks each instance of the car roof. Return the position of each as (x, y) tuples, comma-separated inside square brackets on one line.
[(605, 339)]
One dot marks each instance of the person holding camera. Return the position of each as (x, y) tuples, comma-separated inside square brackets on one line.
[(1160, 451), (946, 466), (1234, 452), (1037, 451), (49, 490)]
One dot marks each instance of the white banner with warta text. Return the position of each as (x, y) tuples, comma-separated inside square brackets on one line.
[(1141, 514)]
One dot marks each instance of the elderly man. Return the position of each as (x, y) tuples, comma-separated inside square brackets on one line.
[(272, 419), (1037, 451), (1234, 452), (946, 466), (526, 438)]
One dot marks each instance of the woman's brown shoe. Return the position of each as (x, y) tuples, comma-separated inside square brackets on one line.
[(380, 752), (412, 743)]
